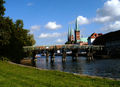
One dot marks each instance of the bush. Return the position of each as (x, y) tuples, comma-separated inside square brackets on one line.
[(4, 58)]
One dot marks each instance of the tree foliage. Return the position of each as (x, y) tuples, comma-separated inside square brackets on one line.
[(19, 24), (2, 8), (13, 37)]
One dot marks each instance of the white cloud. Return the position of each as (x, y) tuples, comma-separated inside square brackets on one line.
[(102, 19), (109, 15), (60, 41), (49, 35), (29, 4), (52, 25), (111, 27), (35, 27), (110, 8), (82, 20), (109, 12)]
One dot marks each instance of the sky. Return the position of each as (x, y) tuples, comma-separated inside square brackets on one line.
[(49, 20)]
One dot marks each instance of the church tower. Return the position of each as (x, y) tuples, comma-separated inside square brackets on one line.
[(77, 32), (72, 36), (69, 35)]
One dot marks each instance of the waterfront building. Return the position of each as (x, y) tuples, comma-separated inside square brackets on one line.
[(111, 41), (74, 36), (92, 37)]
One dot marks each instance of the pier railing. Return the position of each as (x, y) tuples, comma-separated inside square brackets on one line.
[(70, 47)]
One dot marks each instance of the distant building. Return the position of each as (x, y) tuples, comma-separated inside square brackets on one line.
[(83, 41), (93, 37), (74, 37), (111, 39), (70, 35), (77, 33)]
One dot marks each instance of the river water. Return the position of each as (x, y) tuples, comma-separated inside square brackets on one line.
[(97, 67)]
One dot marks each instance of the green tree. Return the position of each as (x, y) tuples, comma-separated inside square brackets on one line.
[(19, 24), (19, 38), (2, 8), (6, 27), (13, 37)]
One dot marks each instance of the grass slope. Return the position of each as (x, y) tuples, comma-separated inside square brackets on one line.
[(12, 75)]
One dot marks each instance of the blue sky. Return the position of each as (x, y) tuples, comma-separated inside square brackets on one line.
[(49, 20)]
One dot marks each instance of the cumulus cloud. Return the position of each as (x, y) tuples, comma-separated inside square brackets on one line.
[(52, 25), (82, 20), (109, 15), (109, 12), (49, 35), (111, 27), (102, 19), (59, 40), (29, 4), (35, 27), (110, 8)]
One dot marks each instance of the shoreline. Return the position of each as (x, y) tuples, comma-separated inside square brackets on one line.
[(83, 75)]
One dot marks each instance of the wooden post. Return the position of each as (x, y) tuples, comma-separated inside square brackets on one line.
[(47, 55), (90, 54), (52, 55), (33, 58), (63, 55), (74, 54)]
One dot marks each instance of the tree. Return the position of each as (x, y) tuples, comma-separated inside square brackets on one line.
[(4, 32), (2, 8), (6, 26), (13, 37), (30, 40), (19, 38), (19, 24)]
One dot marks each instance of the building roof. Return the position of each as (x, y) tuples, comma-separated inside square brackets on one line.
[(95, 35), (71, 32), (83, 39), (76, 26), (68, 31), (112, 36)]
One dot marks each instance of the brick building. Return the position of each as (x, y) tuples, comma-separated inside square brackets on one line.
[(74, 36), (92, 37)]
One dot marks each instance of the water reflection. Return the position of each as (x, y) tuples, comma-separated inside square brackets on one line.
[(82, 65)]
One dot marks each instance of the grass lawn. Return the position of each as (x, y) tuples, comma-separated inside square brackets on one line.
[(12, 75)]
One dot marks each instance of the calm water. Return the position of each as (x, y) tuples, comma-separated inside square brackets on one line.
[(101, 67)]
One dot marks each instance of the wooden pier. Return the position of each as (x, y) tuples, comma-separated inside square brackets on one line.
[(75, 49)]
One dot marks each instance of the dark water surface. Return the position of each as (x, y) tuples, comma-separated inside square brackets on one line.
[(102, 67)]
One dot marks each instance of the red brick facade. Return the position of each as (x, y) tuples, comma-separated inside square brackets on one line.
[(95, 35), (77, 35)]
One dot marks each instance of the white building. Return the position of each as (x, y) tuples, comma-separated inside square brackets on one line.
[(93, 37)]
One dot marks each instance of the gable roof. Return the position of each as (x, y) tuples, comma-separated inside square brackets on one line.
[(112, 36)]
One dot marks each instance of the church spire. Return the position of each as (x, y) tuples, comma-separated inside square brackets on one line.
[(76, 25), (68, 31), (69, 34), (71, 31)]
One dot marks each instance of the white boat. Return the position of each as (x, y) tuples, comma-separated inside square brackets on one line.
[(37, 55)]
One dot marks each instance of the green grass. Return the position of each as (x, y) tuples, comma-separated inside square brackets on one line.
[(12, 75)]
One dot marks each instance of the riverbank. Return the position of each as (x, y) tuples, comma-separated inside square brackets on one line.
[(12, 75), (26, 62)]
